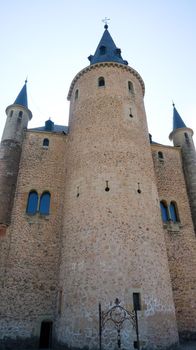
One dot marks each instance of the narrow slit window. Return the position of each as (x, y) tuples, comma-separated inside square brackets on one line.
[(174, 212), (60, 301), (130, 86), (20, 114), (76, 94), (101, 81), (186, 136), (160, 155), (136, 301), (130, 113), (164, 211), (45, 142), (44, 207), (11, 113), (32, 203)]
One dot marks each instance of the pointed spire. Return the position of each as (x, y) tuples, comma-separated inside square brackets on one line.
[(177, 120), (106, 50), (21, 99)]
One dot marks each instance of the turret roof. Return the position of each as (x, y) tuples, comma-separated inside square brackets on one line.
[(106, 50), (177, 120), (21, 99)]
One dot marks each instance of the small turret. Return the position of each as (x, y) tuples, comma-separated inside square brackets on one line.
[(18, 116), (182, 137)]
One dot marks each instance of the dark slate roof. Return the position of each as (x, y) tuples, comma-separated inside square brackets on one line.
[(177, 120), (51, 127), (21, 99), (107, 51)]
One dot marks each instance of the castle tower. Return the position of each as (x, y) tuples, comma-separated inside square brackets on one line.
[(113, 241), (182, 136), (18, 116)]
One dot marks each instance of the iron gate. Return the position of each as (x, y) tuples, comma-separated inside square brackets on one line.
[(117, 314)]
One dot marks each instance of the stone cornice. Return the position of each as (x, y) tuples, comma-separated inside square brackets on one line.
[(105, 64)]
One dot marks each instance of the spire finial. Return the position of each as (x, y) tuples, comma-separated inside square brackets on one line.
[(105, 20), (173, 104), (26, 80)]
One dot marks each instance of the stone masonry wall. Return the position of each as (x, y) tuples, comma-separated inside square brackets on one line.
[(10, 152), (30, 251), (180, 238), (113, 240)]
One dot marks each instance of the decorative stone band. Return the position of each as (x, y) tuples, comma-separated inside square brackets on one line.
[(105, 64)]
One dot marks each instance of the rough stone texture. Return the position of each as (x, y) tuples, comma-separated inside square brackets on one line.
[(180, 238), (10, 151), (104, 237), (183, 137), (112, 242), (30, 250)]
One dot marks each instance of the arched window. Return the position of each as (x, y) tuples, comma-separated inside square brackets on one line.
[(174, 212), (32, 203), (20, 115), (186, 136), (76, 94), (160, 155), (101, 81), (130, 86), (45, 142), (102, 50), (164, 211), (11, 113), (44, 207)]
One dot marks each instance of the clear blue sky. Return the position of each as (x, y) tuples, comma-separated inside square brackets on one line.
[(49, 41)]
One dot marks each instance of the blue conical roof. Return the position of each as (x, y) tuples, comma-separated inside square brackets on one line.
[(21, 99), (177, 120), (107, 51)]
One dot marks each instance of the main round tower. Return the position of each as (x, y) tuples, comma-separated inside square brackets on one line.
[(112, 242)]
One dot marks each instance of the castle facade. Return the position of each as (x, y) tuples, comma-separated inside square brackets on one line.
[(93, 213)]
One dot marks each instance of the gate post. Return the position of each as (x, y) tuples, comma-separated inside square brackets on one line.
[(137, 330)]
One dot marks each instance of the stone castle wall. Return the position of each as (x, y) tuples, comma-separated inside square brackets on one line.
[(113, 241), (104, 231), (10, 152), (30, 250), (180, 237), (183, 137)]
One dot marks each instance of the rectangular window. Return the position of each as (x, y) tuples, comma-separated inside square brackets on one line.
[(136, 301), (60, 302)]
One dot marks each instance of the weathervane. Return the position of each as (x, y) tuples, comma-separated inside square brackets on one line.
[(105, 20)]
